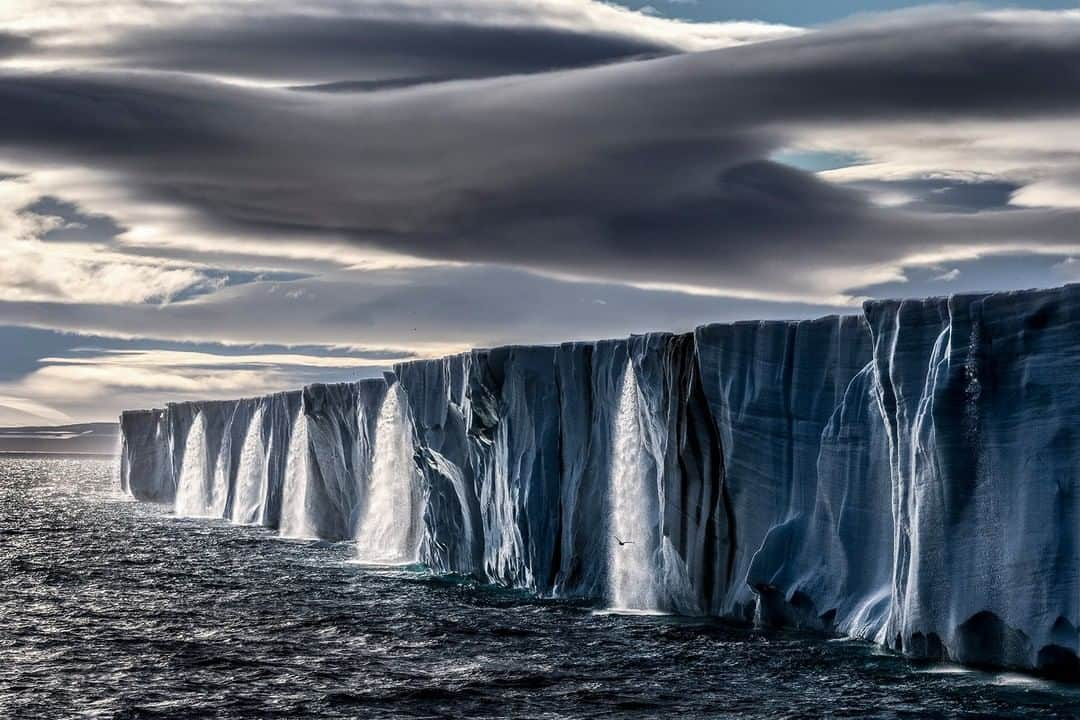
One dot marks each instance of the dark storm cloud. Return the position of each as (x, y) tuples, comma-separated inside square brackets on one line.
[(649, 171), (365, 49), (947, 195), (453, 307), (11, 44), (347, 86)]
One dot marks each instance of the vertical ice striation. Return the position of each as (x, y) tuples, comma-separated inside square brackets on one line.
[(845, 566), (980, 399), (682, 463), (779, 392), (589, 380), (327, 466), (441, 414), (340, 426), (514, 450), (144, 458), (279, 420), (487, 443), (907, 476)]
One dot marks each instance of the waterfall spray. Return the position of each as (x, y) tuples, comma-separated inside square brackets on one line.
[(249, 505), (294, 511), (632, 575), (387, 533), (192, 490), (218, 496)]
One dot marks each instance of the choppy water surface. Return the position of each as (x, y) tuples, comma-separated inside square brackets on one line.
[(110, 608)]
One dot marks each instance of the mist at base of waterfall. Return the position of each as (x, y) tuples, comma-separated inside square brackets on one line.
[(115, 609)]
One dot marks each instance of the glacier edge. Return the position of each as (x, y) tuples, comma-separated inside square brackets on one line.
[(906, 476)]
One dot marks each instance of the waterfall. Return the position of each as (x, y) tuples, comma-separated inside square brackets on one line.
[(249, 505), (388, 530), (632, 572), (219, 488), (294, 510), (192, 491)]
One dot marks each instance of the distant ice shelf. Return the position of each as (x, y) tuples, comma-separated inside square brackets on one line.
[(909, 476)]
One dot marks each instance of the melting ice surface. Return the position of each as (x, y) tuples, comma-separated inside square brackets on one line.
[(386, 534), (631, 547)]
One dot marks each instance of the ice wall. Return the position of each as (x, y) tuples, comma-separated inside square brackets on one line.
[(330, 459), (212, 459), (585, 470), (806, 485), (487, 435), (905, 476), (981, 401), (144, 469)]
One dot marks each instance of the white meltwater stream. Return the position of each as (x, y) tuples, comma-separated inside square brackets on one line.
[(294, 510), (632, 572), (192, 493), (386, 533), (249, 505)]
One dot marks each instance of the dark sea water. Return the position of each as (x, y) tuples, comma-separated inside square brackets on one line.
[(113, 609)]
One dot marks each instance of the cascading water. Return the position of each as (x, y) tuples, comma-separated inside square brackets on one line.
[(249, 505), (219, 488), (294, 511), (387, 533), (632, 572), (192, 492)]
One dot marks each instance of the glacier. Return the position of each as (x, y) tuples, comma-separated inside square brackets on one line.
[(907, 476)]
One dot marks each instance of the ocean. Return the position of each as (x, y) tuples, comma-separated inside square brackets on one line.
[(116, 609)]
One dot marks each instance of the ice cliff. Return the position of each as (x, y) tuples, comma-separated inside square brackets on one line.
[(907, 476)]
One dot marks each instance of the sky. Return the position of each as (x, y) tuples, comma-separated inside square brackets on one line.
[(224, 198)]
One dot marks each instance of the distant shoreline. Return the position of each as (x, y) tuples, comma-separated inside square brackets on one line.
[(81, 440)]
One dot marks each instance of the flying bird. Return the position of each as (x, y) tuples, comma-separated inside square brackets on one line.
[(622, 542)]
